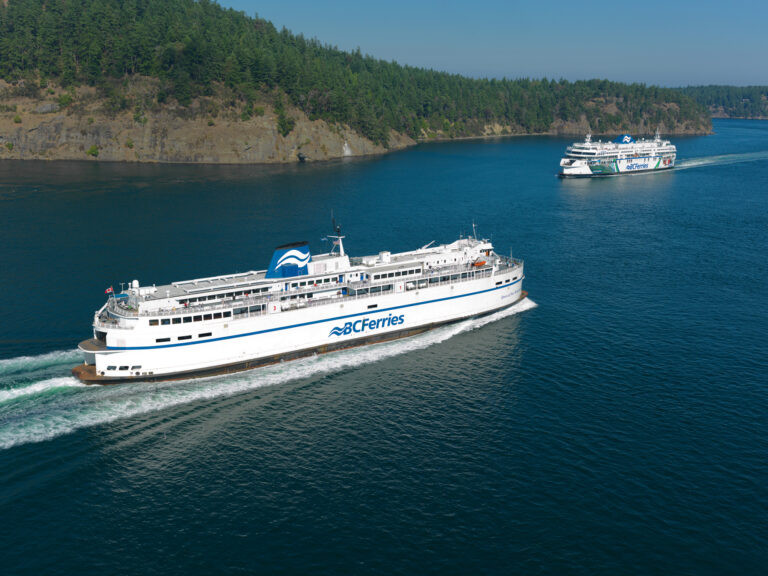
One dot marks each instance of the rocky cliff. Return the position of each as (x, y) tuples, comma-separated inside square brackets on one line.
[(79, 124), (130, 125)]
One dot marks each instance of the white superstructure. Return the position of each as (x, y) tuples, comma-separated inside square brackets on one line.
[(300, 305), (623, 155)]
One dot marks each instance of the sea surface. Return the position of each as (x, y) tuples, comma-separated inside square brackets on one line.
[(614, 423)]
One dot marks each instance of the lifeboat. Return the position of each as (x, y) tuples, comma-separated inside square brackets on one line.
[(479, 263)]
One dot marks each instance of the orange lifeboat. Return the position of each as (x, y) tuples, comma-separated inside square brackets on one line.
[(479, 263)]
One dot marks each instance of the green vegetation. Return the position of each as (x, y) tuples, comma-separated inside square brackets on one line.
[(732, 101), (192, 46), (9, 145), (129, 143), (17, 119), (93, 151), (65, 100)]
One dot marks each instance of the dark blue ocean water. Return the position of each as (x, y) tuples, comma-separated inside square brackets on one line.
[(620, 426)]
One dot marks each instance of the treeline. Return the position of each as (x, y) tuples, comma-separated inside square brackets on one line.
[(732, 101), (192, 45)]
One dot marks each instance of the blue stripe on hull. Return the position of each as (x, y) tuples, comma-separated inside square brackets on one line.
[(314, 321)]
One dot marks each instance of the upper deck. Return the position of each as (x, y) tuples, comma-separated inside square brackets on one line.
[(251, 292), (623, 148)]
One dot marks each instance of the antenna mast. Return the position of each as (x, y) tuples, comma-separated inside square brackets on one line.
[(337, 237)]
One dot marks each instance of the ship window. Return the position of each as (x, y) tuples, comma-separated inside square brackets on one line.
[(153, 322), (193, 299), (227, 314), (239, 311), (212, 297), (208, 317), (258, 308), (176, 320), (163, 340), (386, 287), (454, 276), (391, 274), (508, 280), (123, 367), (184, 337), (217, 315), (515, 278), (398, 274), (302, 283), (434, 280), (198, 318), (187, 319), (111, 367), (204, 335), (238, 293), (444, 278), (135, 367), (165, 321), (499, 282), (373, 306), (295, 285)]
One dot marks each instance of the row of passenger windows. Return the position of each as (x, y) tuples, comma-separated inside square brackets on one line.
[(203, 335), (188, 319), (123, 368), (371, 290), (396, 274), (220, 296), (315, 282)]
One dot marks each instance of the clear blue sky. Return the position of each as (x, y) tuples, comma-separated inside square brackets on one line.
[(669, 43)]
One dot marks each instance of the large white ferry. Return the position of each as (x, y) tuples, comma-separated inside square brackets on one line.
[(300, 305), (623, 155)]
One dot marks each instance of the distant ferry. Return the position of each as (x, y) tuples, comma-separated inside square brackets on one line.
[(301, 305), (623, 155)]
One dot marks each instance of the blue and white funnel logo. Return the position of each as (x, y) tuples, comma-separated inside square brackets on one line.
[(624, 139), (289, 260)]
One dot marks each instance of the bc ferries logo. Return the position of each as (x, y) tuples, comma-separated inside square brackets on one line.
[(289, 260), (627, 139), (295, 257), (366, 324)]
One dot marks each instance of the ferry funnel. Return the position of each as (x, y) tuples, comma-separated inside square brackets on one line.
[(289, 260)]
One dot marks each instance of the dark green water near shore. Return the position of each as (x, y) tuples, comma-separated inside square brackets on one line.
[(618, 426)]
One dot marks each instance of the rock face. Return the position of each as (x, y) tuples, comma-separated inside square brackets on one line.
[(76, 125), (80, 124), (166, 137)]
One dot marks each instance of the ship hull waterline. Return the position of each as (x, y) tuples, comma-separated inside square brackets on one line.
[(610, 174), (87, 374)]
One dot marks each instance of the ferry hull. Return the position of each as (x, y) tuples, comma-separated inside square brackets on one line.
[(581, 169), (89, 374)]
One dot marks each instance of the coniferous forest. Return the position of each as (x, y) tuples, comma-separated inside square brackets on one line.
[(194, 45), (732, 101)]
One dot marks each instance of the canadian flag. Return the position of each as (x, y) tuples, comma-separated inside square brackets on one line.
[(109, 290)]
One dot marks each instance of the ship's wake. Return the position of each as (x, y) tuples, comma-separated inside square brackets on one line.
[(721, 160), (40, 401)]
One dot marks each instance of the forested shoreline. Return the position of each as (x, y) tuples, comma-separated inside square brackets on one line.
[(192, 47), (731, 101)]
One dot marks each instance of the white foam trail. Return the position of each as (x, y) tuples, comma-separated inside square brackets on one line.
[(95, 405), (38, 388), (721, 160), (34, 363)]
